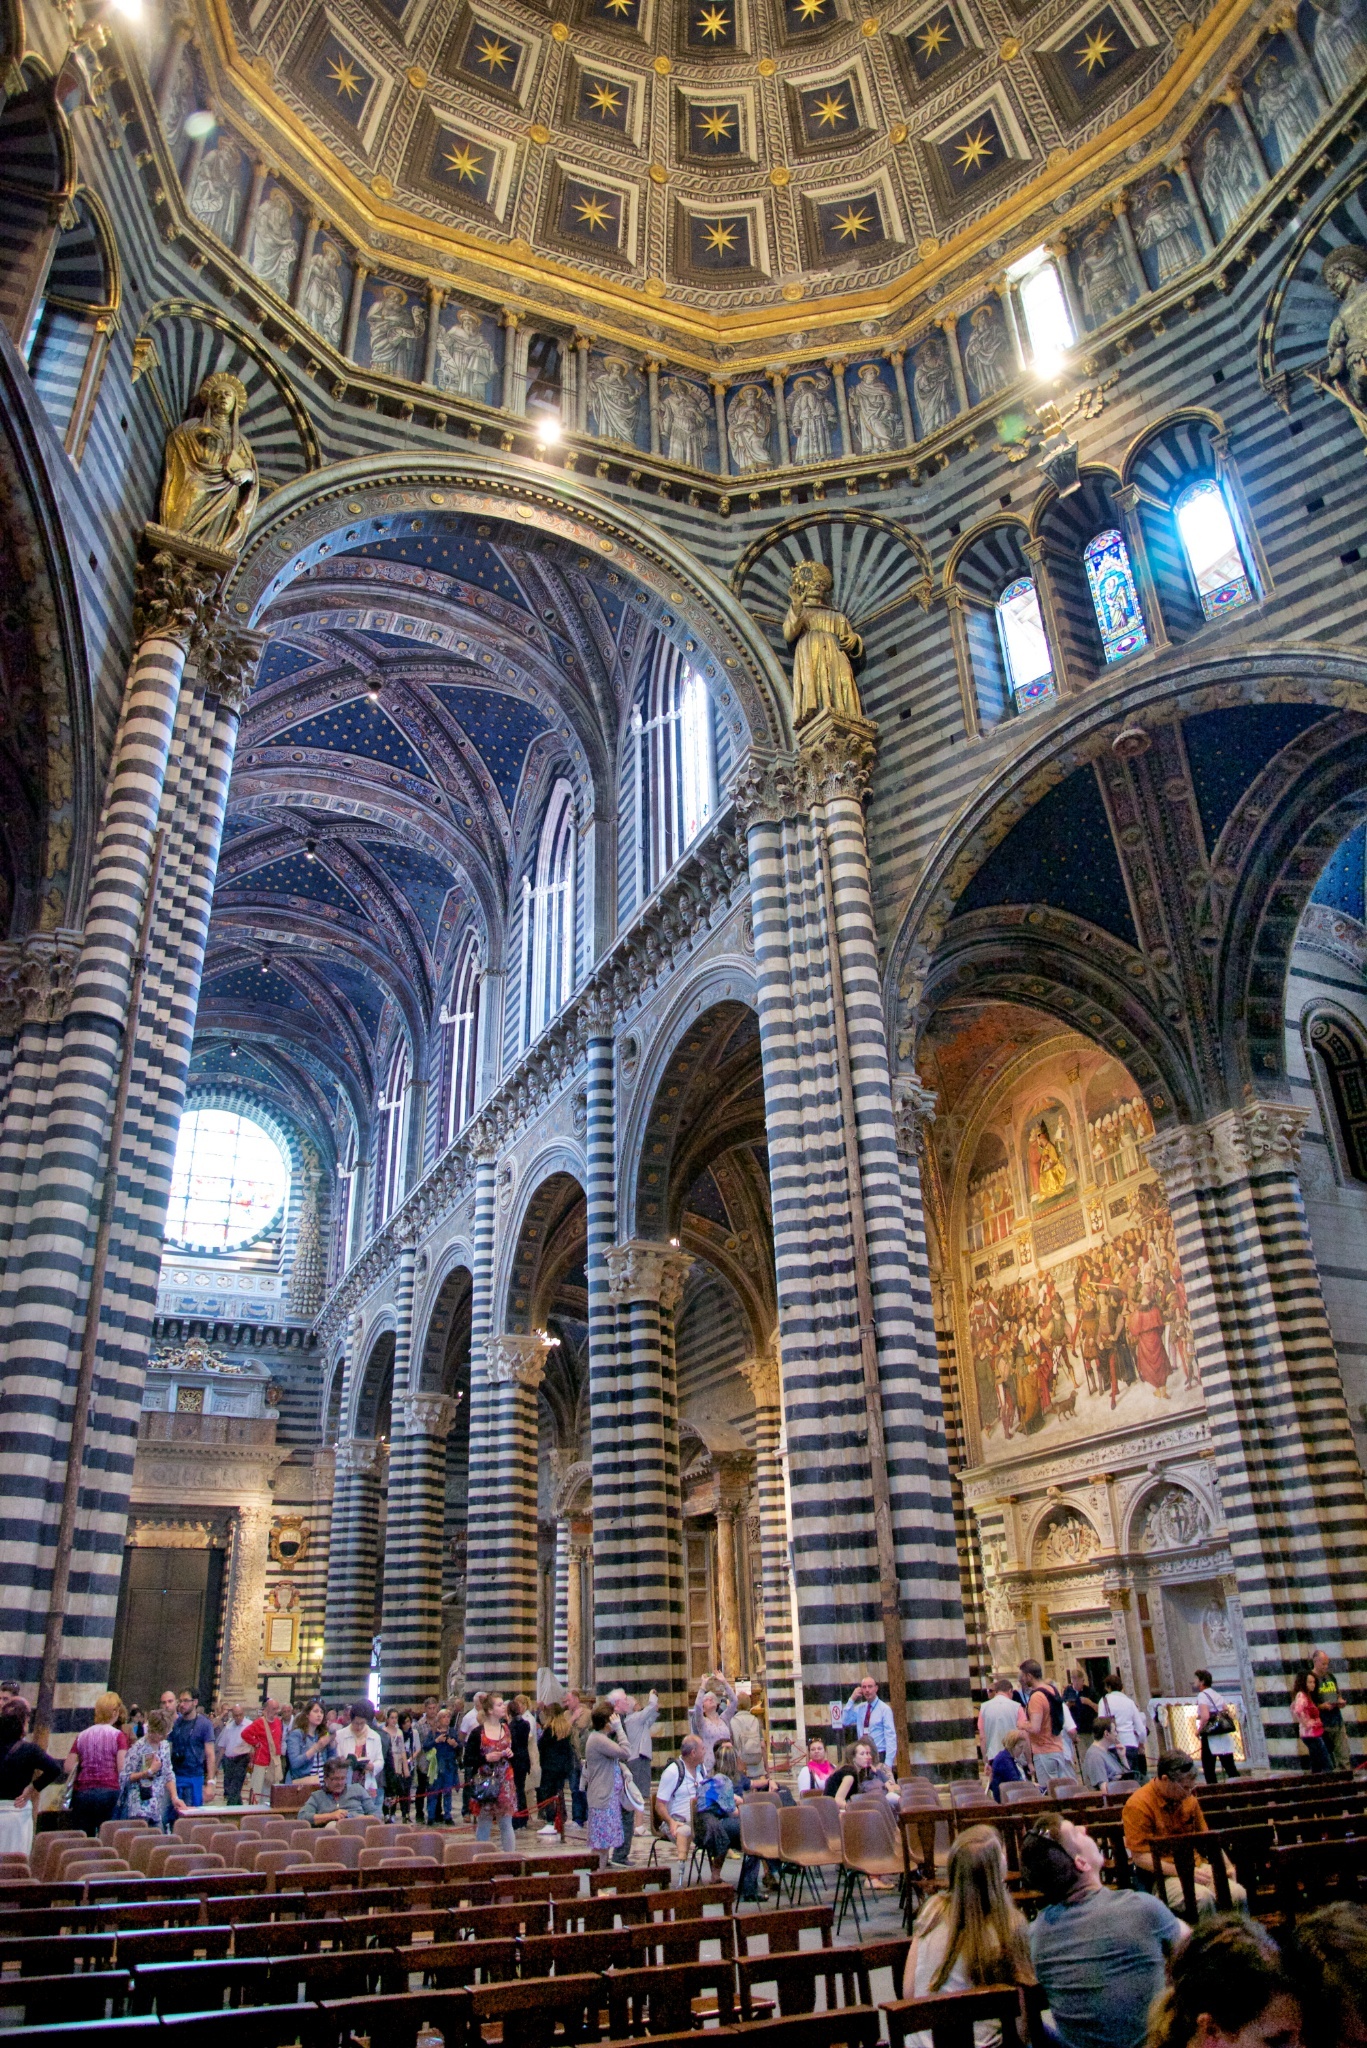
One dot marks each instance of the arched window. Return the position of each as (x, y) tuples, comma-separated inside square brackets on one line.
[(1044, 307), (675, 764), (1212, 548), (75, 317), (1114, 597), (1343, 1063), (1025, 645), (548, 917), (393, 1108), (228, 1183), (461, 1017), (346, 1202)]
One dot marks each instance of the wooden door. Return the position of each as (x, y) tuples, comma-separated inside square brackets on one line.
[(166, 1633), (702, 1619)]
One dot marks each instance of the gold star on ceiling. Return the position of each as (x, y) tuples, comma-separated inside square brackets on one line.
[(465, 164), (1096, 48), (493, 53), (719, 236), (829, 112), (714, 21), (344, 77), (604, 100), (809, 9), (933, 37), (618, 6), (716, 123), (852, 225), (594, 212), (975, 149)]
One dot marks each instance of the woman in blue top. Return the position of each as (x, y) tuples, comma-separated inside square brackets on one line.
[(718, 1822), (306, 1744)]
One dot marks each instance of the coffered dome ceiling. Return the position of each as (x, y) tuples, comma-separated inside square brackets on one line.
[(707, 166)]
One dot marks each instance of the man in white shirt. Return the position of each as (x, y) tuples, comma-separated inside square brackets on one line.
[(1131, 1733), (677, 1789), (871, 1719), (359, 1739), (998, 1717)]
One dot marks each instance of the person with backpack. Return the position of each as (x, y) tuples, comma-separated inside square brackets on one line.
[(1044, 1722), (676, 1793), (489, 1762), (1215, 1726), (720, 1793)]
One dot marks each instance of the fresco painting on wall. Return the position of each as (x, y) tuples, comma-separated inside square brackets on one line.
[(1076, 1307)]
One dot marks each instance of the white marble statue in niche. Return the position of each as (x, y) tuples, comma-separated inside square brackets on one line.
[(685, 418), (215, 195), (873, 411), (275, 247)]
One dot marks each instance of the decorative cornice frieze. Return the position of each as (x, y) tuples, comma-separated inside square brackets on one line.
[(913, 1112), (226, 661), (361, 1456), (1333, 932), (1258, 1137), (699, 895), (516, 1360), (177, 588), (640, 1270), (431, 1415)]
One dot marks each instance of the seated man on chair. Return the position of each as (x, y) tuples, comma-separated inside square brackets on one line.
[(676, 1791), (341, 1796), (1167, 1807)]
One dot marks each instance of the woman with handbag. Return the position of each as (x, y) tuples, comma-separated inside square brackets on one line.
[(147, 1777), (489, 1763), (606, 1755), (1215, 1725), (92, 1764), (266, 1738)]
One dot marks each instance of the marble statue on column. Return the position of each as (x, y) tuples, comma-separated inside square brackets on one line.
[(823, 641), (1345, 273), (210, 482)]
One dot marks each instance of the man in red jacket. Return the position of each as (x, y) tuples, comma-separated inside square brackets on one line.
[(265, 1738)]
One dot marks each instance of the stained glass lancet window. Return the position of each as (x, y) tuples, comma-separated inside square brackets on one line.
[(1114, 597), (1025, 645), (1212, 549), (229, 1181)]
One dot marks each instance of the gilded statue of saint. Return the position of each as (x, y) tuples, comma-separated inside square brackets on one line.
[(1345, 273), (210, 484), (822, 677)]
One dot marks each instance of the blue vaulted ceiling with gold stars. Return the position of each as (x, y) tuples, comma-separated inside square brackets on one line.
[(417, 696), (709, 163)]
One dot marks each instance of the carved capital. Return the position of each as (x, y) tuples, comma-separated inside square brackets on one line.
[(359, 1456), (765, 789), (1259, 1137), (227, 662), (518, 1361), (763, 1378), (35, 979), (913, 1112), (836, 757), (177, 588), (428, 1415), (643, 1271)]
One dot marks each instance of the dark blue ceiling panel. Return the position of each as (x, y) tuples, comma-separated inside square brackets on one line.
[(365, 998), (501, 727), (258, 987), (1228, 750), (1342, 885), (704, 1199), (359, 727), (1062, 853), (281, 659), (296, 875), (473, 561), (219, 1063), (423, 882)]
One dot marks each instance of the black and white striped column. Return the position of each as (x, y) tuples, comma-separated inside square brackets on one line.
[(832, 1145), (638, 1590), (515, 1366), (484, 1510), (45, 1296), (354, 1563), (560, 1595), (414, 1531), (1288, 1470), (763, 1378)]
